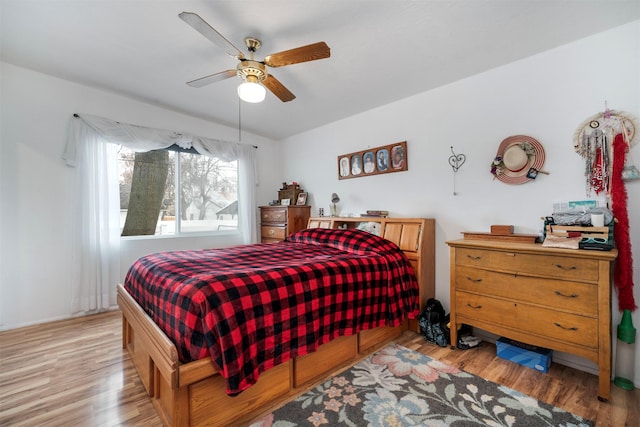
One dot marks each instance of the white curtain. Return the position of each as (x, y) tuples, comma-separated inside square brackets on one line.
[(96, 245), (247, 182), (91, 149)]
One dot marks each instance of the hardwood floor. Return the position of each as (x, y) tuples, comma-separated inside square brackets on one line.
[(71, 373), (75, 373)]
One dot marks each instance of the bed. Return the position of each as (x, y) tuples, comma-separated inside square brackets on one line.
[(209, 350)]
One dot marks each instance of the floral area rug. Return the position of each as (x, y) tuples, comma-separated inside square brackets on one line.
[(401, 387)]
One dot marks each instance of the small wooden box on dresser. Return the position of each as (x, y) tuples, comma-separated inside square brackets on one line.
[(277, 222), (549, 297)]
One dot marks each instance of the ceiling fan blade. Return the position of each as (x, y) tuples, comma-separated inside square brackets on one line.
[(203, 81), (278, 89), (307, 53), (209, 32)]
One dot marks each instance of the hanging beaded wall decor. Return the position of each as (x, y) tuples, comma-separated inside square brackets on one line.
[(593, 141)]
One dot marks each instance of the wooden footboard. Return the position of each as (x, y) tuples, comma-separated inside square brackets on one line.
[(193, 394)]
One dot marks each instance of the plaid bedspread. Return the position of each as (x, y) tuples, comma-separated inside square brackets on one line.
[(253, 307)]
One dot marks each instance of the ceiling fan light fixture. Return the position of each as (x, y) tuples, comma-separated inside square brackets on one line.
[(251, 91)]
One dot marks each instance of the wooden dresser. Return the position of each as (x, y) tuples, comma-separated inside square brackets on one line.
[(277, 222), (415, 236), (549, 297)]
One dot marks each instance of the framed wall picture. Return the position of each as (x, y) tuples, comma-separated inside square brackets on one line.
[(344, 168), (356, 164), (382, 162), (302, 199), (369, 162), (397, 157), (374, 161), (285, 202)]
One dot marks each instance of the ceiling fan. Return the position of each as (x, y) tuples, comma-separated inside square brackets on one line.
[(253, 72)]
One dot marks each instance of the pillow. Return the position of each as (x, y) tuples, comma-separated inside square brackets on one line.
[(348, 240), (370, 227)]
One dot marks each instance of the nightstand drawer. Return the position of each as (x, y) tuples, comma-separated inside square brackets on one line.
[(280, 221), (576, 297), (277, 215), (273, 232), (579, 269), (565, 327)]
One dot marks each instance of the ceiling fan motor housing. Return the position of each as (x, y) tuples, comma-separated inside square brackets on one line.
[(251, 71), (252, 44)]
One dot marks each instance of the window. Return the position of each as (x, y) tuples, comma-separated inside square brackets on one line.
[(176, 191)]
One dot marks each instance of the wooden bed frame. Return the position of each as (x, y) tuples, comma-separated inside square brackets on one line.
[(193, 394)]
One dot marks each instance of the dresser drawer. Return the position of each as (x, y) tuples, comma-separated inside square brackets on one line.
[(273, 232), (565, 327), (578, 269), (276, 215), (577, 297)]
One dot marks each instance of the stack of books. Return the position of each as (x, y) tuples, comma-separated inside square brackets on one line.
[(375, 214)]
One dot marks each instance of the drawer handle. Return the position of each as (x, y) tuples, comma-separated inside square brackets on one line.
[(474, 306), (272, 232), (474, 280), (562, 267), (564, 327), (560, 294), (475, 258)]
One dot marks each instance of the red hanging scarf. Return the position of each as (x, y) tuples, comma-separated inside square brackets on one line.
[(623, 270), (597, 172)]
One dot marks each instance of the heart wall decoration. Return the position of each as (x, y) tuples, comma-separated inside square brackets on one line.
[(456, 161)]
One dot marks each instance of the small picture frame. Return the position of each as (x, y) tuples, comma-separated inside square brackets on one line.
[(397, 157), (383, 159), (356, 164), (369, 161), (285, 202), (345, 168), (302, 199)]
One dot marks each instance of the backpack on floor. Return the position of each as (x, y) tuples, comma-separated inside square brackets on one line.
[(431, 321)]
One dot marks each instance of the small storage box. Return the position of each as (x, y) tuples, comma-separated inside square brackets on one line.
[(531, 356), (502, 229)]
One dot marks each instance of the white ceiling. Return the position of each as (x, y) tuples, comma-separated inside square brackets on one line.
[(381, 51)]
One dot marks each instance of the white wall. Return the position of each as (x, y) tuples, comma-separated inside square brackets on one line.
[(36, 187), (546, 97)]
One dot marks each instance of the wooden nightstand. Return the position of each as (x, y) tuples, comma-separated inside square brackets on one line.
[(277, 222)]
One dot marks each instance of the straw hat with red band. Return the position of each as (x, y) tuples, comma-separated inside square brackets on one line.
[(518, 159)]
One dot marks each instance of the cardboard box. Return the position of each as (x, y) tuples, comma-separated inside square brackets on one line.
[(531, 356)]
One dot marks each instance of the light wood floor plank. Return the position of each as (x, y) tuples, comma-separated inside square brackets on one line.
[(75, 372)]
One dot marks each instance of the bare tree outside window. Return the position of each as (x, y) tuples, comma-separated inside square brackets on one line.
[(148, 180), (149, 183)]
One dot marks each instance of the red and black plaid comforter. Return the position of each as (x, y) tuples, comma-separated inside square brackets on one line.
[(253, 307)]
